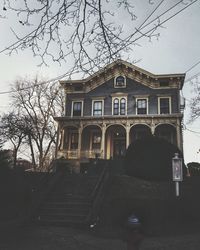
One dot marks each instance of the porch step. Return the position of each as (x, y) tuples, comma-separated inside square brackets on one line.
[(69, 203)]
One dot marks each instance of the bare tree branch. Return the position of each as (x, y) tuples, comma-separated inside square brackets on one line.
[(87, 34)]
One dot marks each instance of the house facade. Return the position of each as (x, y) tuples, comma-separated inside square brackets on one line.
[(119, 104)]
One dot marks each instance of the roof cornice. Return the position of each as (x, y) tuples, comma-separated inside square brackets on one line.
[(132, 69)]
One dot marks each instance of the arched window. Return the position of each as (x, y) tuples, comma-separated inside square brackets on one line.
[(123, 106), (116, 106), (119, 106), (120, 82)]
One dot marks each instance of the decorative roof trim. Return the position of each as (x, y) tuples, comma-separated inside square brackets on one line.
[(141, 73)]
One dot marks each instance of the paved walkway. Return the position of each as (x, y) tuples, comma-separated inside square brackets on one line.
[(60, 238)]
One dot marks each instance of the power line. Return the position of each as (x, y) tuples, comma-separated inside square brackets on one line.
[(155, 27), (140, 27), (136, 39), (192, 66), (53, 81), (192, 131), (192, 77)]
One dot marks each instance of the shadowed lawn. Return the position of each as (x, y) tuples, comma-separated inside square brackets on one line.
[(155, 203)]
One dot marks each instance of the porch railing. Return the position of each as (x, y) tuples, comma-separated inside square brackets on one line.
[(91, 154), (74, 154)]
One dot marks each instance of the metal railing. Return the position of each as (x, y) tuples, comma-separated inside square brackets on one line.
[(98, 193)]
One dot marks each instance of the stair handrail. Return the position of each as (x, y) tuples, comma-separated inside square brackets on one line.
[(98, 193)]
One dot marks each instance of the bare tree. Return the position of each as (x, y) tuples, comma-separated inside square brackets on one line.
[(87, 34), (194, 103), (12, 129), (38, 102)]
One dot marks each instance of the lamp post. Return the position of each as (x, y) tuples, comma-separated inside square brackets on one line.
[(177, 171)]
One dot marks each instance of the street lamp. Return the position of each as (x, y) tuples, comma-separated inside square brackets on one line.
[(177, 171)]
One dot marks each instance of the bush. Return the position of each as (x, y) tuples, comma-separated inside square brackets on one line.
[(151, 159), (15, 194), (194, 168)]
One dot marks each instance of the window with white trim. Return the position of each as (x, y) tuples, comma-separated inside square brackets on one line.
[(122, 106), (141, 105), (97, 108), (116, 106), (164, 105), (77, 107), (120, 82), (119, 106)]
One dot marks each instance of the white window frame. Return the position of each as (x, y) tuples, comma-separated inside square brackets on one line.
[(147, 102), (72, 108), (170, 104), (119, 98), (120, 87), (98, 100)]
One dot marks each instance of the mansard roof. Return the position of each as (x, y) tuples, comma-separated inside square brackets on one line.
[(120, 67)]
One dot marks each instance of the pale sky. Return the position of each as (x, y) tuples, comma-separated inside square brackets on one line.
[(176, 51)]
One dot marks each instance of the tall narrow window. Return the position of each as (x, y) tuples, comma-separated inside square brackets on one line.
[(116, 106), (74, 140), (122, 106), (119, 106), (141, 106), (77, 109), (97, 108), (164, 105)]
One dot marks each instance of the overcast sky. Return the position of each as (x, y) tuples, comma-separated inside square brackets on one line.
[(176, 51)]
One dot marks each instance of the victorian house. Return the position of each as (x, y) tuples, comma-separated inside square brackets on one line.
[(119, 104)]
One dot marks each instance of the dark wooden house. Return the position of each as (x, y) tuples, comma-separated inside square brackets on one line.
[(107, 111)]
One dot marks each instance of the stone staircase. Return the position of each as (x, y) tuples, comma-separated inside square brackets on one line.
[(70, 202)]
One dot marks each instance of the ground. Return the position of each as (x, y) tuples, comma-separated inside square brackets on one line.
[(63, 238), (170, 222)]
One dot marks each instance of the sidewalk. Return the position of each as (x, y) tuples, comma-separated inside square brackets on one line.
[(61, 238)]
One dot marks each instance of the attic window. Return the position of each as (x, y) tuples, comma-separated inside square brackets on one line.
[(120, 82), (164, 84)]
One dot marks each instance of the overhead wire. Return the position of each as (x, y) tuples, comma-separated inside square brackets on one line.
[(153, 20), (193, 66), (192, 131), (136, 39)]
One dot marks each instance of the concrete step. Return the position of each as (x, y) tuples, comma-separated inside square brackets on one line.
[(63, 222), (69, 202), (63, 204), (61, 218), (61, 210)]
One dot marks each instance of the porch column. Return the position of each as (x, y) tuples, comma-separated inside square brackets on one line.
[(127, 135), (57, 141), (79, 141), (178, 135), (152, 127), (103, 131)]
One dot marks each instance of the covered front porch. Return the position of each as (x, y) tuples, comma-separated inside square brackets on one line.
[(110, 137)]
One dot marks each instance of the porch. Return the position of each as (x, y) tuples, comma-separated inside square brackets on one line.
[(109, 137)]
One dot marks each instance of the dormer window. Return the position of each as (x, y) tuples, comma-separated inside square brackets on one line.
[(120, 82)]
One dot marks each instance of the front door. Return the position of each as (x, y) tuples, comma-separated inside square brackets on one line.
[(119, 147)]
